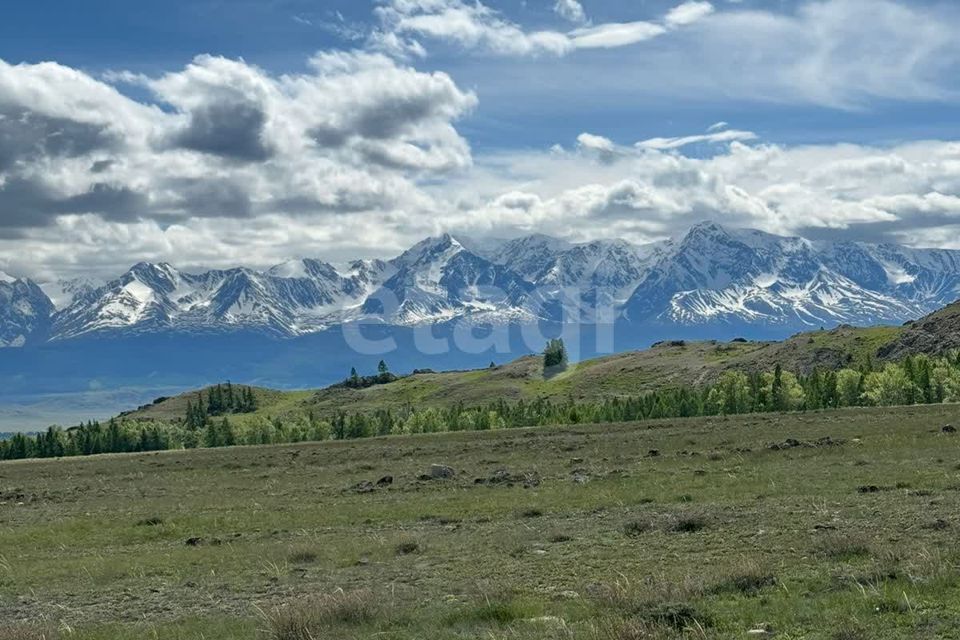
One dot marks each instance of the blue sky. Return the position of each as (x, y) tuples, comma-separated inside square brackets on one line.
[(211, 132), (533, 103)]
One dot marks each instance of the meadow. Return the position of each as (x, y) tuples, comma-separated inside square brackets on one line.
[(835, 525)]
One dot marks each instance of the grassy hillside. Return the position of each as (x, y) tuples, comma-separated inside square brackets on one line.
[(630, 373), (822, 526)]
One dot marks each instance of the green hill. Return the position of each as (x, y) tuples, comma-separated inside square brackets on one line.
[(664, 365)]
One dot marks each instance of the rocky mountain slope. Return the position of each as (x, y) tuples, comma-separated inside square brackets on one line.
[(25, 312), (711, 277)]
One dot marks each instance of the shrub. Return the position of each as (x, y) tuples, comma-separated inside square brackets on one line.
[(637, 527), (310, 618), (651, 598), (748, 581), (690, 523), (844, 547), (406, 547), (302, 555)]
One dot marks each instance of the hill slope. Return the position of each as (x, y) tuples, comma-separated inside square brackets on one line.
[(936, 333), (663, 365)]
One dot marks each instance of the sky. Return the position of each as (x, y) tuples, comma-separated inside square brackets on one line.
[(214, 133)]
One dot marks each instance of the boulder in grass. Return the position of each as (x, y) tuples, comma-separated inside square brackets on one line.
[(441, 472)]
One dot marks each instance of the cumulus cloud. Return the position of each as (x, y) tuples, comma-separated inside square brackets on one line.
[(908, 193), (223, 138), (360, 155)]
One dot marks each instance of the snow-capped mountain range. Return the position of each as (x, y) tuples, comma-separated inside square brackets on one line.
[(711, 275)]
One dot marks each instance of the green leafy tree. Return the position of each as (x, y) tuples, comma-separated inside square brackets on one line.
[(731, 394), (849, 388), (555, 356), (890, 386)]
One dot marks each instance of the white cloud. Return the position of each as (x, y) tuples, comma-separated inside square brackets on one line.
[(473, 25), (570, 10), (355, 134), (595, 142), (615, 34), (688, 13), (909, 193), (360, 154), (718, 136), (838, 53), (469, 25)]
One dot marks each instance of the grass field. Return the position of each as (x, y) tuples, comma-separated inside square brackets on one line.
[(838, 525)]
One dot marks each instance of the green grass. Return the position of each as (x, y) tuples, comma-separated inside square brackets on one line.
[(625, 374), (716, 536)]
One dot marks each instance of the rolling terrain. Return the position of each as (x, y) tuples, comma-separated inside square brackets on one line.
[(820, 526), (666, 364)]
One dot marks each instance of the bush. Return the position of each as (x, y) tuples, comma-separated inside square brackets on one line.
[(636, 528), (302, 555), (844, 547), (407, 547), (749, 581), (310, 619), (690, 523)]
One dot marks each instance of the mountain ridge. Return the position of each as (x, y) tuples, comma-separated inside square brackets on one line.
[(711, 276)]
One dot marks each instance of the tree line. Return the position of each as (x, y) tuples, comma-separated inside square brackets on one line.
[(913, 380)]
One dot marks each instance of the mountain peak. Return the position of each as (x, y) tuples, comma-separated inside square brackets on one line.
[(713, 275), (152, 269), (7, 278), (707, 228), (430, 249)]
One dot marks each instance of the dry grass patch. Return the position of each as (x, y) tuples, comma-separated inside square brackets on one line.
[(747, 578), (302, 555), (654, 602), (844, 547), (313, 618)]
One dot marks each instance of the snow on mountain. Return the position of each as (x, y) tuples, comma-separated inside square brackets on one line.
[(712, 275), (529, 256), (289, 299), (439, 279), (720, 275), (24, 312), (64, 292)]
